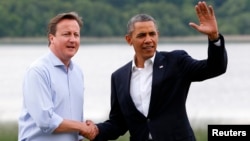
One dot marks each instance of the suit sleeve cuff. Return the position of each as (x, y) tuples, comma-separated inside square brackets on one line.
[(217, 42)]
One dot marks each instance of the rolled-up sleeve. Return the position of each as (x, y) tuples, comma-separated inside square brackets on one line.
[(39, 101)]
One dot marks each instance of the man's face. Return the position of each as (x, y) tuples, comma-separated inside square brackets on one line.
[(144, 39), (66, 41)]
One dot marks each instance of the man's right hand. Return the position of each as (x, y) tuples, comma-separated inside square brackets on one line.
[(89, 130)]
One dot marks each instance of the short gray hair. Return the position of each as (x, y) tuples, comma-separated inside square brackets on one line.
[(139, 18)]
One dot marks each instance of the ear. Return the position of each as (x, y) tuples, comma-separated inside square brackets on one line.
[(128, 39), (51, 37)]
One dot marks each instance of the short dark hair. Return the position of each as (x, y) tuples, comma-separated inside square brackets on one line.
[(139, 18), (55, 20)]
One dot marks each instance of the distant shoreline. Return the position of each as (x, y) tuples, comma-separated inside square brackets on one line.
[(110, 40)]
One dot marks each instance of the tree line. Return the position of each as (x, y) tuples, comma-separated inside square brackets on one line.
[(108, 18)]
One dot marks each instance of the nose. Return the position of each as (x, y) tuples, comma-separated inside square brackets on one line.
[(148, 39), (72, 38)]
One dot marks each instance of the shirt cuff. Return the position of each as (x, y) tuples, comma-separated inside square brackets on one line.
[(217, 43)]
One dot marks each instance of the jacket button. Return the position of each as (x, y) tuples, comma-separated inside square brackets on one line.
[(148, 120)]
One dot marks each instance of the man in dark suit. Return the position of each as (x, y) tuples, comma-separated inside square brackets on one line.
[(148, 94)]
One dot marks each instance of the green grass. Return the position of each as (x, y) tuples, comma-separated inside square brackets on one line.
[(201, 135), (9, 131)]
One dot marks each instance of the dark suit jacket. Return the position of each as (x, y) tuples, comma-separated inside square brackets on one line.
[(167, 119)]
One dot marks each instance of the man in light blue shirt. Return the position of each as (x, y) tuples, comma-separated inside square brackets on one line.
[(53, 88)]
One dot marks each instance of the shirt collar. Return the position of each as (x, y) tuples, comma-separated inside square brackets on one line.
[(146, 63), (57, 62)]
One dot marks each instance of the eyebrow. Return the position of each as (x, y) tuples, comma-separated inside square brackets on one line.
[(144, 33)]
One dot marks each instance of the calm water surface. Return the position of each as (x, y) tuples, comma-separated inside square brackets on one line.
[(224, 98)]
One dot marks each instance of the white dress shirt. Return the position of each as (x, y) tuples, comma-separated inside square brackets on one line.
[(141, 84)]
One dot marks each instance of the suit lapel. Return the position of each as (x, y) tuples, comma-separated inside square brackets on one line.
[(127, 78), (127, 97), (158, 72)]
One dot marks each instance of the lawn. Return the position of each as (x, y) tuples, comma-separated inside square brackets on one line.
[(9, 130)]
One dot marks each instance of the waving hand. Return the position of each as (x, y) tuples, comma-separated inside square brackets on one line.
[(207, 19)]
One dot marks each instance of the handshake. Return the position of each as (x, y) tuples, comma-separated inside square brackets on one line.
[(89, 130)]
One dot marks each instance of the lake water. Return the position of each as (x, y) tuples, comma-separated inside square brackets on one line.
[(225, 98)]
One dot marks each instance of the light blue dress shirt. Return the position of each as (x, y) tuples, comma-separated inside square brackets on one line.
[(51, 93)]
